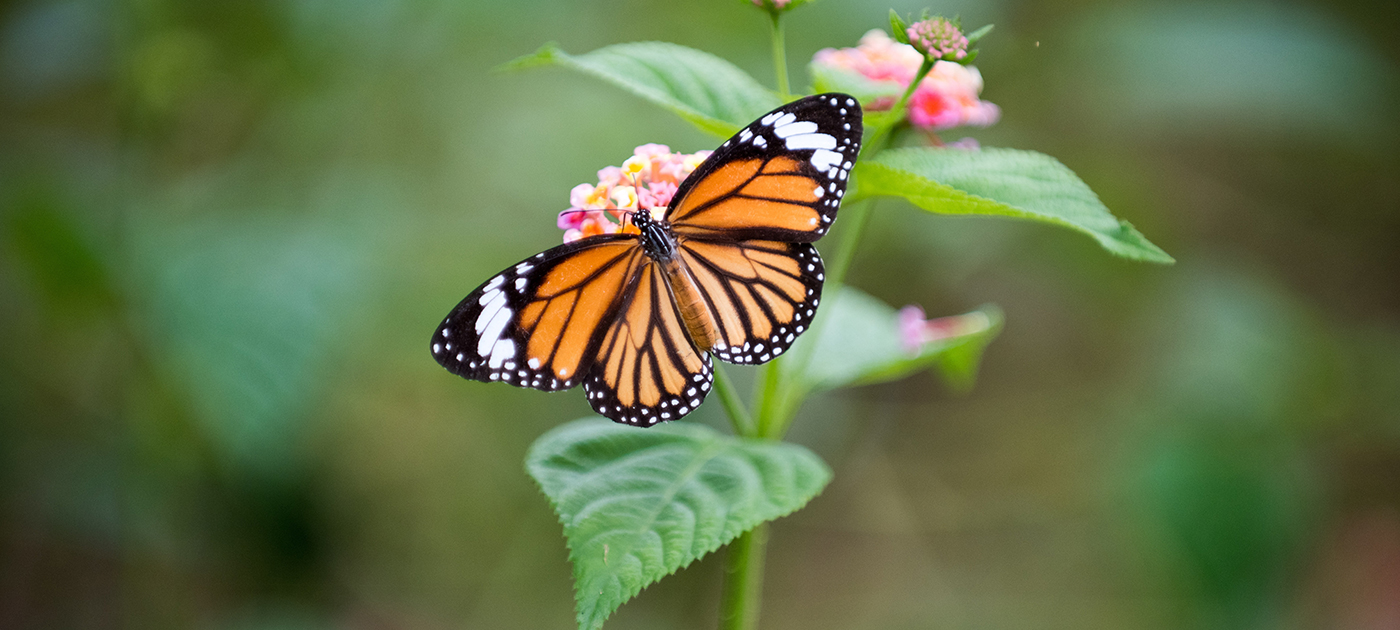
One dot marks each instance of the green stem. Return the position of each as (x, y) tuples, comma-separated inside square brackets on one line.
[(743, 566), (743, 580), (850, 240), (779, 407), (738, 416), (767, 394), (881, 133), (780, 57)]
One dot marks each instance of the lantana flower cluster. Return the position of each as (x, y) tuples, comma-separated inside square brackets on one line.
[(949, 96), (646, 181)]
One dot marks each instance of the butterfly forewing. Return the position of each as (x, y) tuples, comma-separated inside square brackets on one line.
[(781, 178), (533, 325)]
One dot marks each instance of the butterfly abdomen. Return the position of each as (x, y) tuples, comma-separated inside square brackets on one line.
[(659, 242), (695, 313)]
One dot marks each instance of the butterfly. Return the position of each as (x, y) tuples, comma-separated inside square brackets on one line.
[(729, 270)]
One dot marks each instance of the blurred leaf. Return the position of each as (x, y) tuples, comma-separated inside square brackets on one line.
[(858, 343), (65, 265), (1235, 511), (1003, 182), (708, 92), (828, 79), (244, 313), (639, 504), (1245, 351)]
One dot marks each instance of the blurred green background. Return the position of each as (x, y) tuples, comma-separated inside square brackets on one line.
[(227, 229)]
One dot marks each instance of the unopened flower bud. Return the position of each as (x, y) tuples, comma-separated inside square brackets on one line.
[(938, 38)]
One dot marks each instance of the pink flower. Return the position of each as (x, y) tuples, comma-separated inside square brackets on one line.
[(947, 97), (915, 331), (877, 57), (611, 176), (571, 219), (652, 151), (646, 181), (592, 224), (660, 193)]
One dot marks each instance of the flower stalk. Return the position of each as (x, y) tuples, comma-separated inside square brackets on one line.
[(780, 57), (743, 580)]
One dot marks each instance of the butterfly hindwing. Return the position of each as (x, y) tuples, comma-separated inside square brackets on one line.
[(533, 325), (765, 292), (647, 369), (781, 178)]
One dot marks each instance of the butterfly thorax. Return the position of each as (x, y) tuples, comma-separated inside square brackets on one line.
[(657, 238), (659, 243)]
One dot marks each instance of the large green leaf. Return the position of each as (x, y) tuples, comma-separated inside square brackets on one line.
[(709, 92), (857, 341), (1004, 182), (639, 504)]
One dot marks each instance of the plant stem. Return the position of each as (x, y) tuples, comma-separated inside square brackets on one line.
[(850, 240), (766, 396), (738, 416), (780, 57), (743, 564), (743, 580), (881, 133)]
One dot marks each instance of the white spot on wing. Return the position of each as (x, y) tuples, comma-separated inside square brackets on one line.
[(490, 312), (823, 159), (792, 129), (493, 330), (811, 141)]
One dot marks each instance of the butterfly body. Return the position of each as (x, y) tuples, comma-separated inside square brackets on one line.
[(729, 271), (659, 243)]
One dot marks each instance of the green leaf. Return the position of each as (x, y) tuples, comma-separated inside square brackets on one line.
[(639, 504), (1004, 182), (899, 27), (977, 35), (858, 342), (708, 92), (828, 79)]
